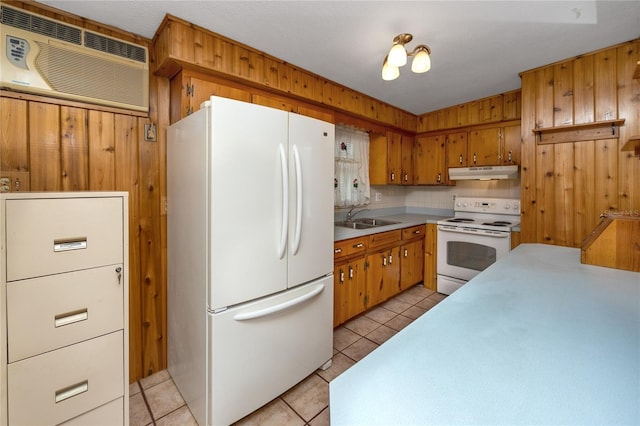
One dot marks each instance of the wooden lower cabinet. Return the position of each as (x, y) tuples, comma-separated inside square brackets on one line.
[(369, 270), (349, 290), (412, 271), (431, 257), (383, 275)]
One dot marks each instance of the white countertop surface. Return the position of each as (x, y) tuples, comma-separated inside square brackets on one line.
[(537, 338)]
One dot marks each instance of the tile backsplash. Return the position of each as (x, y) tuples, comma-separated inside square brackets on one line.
[(440, 197)]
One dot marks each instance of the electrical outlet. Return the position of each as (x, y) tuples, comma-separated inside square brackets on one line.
[(378, 196), (14, 181)]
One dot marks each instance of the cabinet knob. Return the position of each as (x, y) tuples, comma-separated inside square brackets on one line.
[(439, 179), (350, 272), (510, 157), (406, 252), (460, 159), (393, 177), (341, 276), (475, 158)]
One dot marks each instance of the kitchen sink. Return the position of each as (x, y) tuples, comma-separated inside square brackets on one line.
[(365, 223)]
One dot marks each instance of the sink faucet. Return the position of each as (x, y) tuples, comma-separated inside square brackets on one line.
[(350, 215)]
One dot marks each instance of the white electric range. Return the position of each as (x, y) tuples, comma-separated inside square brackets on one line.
[(475, 238)]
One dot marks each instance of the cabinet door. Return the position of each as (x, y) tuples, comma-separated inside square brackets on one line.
[(429, 162), (484, 147), (349, 290), (407, 160), (412, 267), (394, 158), (511, 145), (430, 256), (457, 150), (383, 275)]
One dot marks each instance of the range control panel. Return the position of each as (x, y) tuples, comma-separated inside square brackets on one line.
[(487, 205)]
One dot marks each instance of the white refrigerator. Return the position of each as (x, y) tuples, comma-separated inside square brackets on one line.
[(250, 255)]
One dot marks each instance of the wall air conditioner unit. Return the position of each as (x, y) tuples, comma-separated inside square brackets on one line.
[(52, 58)]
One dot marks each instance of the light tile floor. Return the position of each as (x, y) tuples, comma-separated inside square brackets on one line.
[(155, 400)]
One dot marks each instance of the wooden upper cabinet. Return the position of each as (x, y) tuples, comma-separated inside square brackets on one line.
[(512, 141), (484, 147), (406, 151), (429, 160), (394, 158), (457, 149), (391, 159)]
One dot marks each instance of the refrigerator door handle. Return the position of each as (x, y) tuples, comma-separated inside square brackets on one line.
[(285, 203), (279, 307), (298, 231)]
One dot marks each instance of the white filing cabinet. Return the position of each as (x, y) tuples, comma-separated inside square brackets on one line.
[(64, 289)]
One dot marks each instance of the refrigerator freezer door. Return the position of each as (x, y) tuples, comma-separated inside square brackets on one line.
[(311, 144), (260, 349), (246, 201)]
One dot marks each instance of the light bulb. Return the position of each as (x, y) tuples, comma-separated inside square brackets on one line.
[(421, 62), (397, 55), (389, 72)]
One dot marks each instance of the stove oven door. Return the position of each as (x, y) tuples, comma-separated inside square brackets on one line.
[(465, 252)]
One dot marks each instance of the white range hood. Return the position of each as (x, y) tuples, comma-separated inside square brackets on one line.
[(483, 173)]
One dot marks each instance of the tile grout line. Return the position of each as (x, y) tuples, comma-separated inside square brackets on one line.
[(146, 403)]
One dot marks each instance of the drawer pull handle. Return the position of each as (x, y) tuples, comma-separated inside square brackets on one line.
[(71, 317), (338, 250), (68, 244), (416, 232), (359, 245), (71, 391)]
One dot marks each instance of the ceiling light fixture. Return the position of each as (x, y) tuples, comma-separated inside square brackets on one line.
[(397, 57)]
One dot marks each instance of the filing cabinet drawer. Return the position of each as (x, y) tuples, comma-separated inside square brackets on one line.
[(50, 312), (60, 385), (47, 236), (107, 415)]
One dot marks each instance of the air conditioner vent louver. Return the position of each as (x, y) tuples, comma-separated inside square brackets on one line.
[(53, 58), (115, 47), (36, 24)]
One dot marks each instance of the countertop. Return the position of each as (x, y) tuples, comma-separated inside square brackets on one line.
[(537, 338), (405, 220)]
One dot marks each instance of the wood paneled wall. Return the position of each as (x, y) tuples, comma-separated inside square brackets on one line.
[(567, 186), (181, 45), (73, 146)]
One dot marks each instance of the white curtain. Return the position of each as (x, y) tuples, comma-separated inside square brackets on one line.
[(351, 183)]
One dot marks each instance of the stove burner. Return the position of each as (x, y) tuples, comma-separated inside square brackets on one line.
[(498, 223), (460, 220)]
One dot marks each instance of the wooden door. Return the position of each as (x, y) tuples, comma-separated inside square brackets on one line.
[(511, 145), (429, 164), (383, 275), (430, 256), (394, 158), (484, 147), (340, 296), (412, 267), (356, 288), (406, 150), (457, 149)]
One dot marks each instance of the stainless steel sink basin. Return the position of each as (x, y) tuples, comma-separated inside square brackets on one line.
[(375, 222), (365, 223)]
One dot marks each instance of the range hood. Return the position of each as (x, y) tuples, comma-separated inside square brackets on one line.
[(483, 173)]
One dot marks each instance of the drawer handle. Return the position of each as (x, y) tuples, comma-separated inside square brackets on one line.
[(338, 250), (68, 244), (71, 391), (71, 317), (359, 245), (416, 232)]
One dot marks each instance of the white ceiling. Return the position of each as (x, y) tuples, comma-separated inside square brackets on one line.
[(478, 47)]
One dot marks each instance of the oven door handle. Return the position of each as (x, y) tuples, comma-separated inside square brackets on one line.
[(483, 232)]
